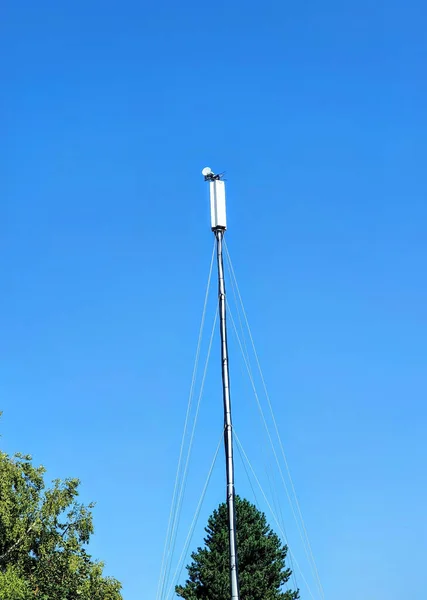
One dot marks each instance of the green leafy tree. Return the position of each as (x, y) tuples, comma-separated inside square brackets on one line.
[(261, 557), (43, 538)]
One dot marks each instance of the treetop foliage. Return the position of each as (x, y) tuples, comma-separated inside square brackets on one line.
[(43, 536), (261, 558)]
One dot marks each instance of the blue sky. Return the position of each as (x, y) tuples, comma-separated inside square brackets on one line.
[(317, 113)]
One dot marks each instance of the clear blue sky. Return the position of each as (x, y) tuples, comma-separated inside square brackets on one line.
[(317, 110)]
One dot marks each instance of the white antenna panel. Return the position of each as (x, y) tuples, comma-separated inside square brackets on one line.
[(218, 212)]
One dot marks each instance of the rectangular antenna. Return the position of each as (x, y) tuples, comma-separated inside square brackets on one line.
[(218, 213)]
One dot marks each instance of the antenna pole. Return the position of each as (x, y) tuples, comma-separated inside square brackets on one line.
[(228, 426), (219, 225)]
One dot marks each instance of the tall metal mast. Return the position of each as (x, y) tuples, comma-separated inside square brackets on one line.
[(219, 225)]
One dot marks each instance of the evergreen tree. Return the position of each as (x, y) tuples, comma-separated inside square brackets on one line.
[(261, 558)]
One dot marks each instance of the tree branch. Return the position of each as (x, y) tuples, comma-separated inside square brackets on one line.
[(21, 539)]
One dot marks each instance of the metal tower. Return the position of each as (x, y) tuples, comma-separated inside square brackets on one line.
[(219, 225)]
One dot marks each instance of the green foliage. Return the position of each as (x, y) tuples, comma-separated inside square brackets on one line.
[(261, 557), (43, 534), (12, 586)]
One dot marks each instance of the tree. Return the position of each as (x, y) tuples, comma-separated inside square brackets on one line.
[(261, 558), (43, 535)]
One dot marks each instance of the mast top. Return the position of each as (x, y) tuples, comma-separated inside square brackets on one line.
[(217, 198)]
